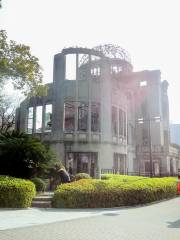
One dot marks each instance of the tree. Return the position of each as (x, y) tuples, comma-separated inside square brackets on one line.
[(22, 155), (18, 64), (7, 115)]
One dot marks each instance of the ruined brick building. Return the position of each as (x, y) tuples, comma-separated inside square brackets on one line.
[(99, 114)]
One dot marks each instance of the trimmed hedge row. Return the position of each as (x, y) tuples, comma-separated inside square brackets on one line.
[(115, 192), (15, 192)]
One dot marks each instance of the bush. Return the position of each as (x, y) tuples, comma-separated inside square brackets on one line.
[(105, 177), (39, 183), (22, 155), (16, 193), (79, 176), (121, 178), (115, 192)]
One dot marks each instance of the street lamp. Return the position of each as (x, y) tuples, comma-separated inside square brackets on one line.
[(149, 120)]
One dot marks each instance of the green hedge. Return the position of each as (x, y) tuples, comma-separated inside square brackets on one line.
[(15, 192), (39, 183), (79, 176), (115, 192), (121, 178)]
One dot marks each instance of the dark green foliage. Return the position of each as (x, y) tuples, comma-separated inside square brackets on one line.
[(16, 193), (22, 155), (39, 183), (115, 192), (79, 176)]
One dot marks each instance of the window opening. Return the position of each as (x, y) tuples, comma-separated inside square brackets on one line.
[(71, 67), (83, 59), (125, 124), (119, 162), (30, 120), (48, 118), (115, 161), (82, 162), (114, 121), (95, 118), (143, 83), (83, 117), (83, 66), (121, 122), (38, 119), (95, 58), (115, 69), (147, 166), (145, 135), (69, 116), (95, 71)]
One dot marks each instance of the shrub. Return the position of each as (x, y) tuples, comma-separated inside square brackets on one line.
[(105, 177), (121, 178), (22, 155), (39, 183), (115, 192), (16, 193), (79, 176)]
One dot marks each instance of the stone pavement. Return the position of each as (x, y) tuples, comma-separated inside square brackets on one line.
[(160, 221), (37, 216)]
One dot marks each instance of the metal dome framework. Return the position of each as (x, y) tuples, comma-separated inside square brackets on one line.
[(113, 51), (116, 54)]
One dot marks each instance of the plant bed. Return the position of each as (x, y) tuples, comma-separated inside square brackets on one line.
[(115, 191), (16, 192)]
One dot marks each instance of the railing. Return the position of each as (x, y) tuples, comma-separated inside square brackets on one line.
[(143, 174), (145, 149)]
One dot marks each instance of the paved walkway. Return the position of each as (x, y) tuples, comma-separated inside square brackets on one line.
[(159, 221)]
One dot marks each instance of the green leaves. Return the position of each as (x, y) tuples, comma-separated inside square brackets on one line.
[(114, 192), (18, 64), (21, 155), (15, 192)]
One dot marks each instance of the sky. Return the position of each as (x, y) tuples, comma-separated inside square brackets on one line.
[(148, 29)]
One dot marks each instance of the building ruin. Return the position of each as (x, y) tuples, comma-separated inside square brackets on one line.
[(99, 114)]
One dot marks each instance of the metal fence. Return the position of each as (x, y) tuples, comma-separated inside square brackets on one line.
[(143, 174)]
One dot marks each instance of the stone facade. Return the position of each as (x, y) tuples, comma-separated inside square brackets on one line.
[(99, 114)]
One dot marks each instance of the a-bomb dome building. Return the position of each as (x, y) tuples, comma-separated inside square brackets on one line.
[(99, 114)]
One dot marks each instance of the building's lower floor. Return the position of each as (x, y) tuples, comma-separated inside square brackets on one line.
[(164, 163), (110, 158), (93, 158)]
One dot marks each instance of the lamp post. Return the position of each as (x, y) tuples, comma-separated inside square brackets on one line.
[(149, 120)]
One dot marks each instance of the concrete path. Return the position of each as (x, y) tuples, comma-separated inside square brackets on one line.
[(160, 221), (37, 216)]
